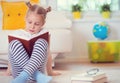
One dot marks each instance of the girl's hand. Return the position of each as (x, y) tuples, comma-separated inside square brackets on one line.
[(54, 73), (6, 73)]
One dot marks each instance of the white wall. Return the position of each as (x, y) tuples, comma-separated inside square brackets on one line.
[(82, 33)]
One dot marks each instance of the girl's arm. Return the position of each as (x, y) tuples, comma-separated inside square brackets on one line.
[(49, 69)]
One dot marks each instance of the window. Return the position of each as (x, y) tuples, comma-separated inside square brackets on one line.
[(88, 5)]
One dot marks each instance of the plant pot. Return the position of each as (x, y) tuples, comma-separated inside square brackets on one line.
[(106, 14), (77, 15)]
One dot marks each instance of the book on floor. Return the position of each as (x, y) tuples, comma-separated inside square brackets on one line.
[(27, 39), (102, 80), (91, 75)]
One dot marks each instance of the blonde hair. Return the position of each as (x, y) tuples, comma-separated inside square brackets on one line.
[(38, 9)]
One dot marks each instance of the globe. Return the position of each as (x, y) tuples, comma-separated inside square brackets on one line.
[(101, 30)]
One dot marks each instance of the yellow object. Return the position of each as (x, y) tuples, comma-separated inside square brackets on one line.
[(104, 51), (34, 1), (77, 15), (112, 48), (95, 56), (106, 14), (13, 15)]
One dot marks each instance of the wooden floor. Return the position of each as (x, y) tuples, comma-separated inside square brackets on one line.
[(69, 65), (112, 71)]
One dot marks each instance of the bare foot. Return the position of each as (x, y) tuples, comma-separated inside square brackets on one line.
[(54, 73)]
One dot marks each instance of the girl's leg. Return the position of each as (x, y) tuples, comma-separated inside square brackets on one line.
[(38, 57), (37, 60), (18, 57)]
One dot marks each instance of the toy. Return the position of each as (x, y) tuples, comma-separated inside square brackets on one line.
[(14, 14), (101, 30), (104, 51)]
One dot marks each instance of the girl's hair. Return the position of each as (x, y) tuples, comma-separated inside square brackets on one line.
[(38, 9)]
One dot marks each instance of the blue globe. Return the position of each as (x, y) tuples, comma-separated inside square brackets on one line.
[(101, 30)]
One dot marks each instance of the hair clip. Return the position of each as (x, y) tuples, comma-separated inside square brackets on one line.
[(48, 9), (29, 4)]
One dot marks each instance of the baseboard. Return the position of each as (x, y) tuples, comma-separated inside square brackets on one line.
[(71, 59)]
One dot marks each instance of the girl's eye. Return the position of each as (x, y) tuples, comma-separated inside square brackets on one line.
[(37, 24)]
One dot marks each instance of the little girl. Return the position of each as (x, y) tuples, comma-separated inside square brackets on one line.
[(50, 71), (32, 68)]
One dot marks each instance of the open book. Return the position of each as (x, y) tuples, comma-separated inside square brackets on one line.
[(27, 39)]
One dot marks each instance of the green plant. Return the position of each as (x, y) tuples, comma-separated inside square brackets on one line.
[(76, 7), (105, 7)]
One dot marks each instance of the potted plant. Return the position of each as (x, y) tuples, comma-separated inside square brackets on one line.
[(76, 11), (105, 10)]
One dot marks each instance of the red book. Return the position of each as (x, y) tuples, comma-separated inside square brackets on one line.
[(28, 42)]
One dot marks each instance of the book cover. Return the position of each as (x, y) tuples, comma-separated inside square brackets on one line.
[(28, 42), (102, 80), (86, 77)]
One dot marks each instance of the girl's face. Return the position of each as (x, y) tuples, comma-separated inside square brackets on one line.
[(34, 23)]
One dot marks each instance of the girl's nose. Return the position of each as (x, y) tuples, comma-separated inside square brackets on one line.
[(32, 26)]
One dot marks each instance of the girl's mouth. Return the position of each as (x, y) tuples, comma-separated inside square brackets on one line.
[(31, 30)]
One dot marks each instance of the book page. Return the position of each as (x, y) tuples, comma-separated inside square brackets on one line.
[(21, 34), (26, 35), (40, 33)]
